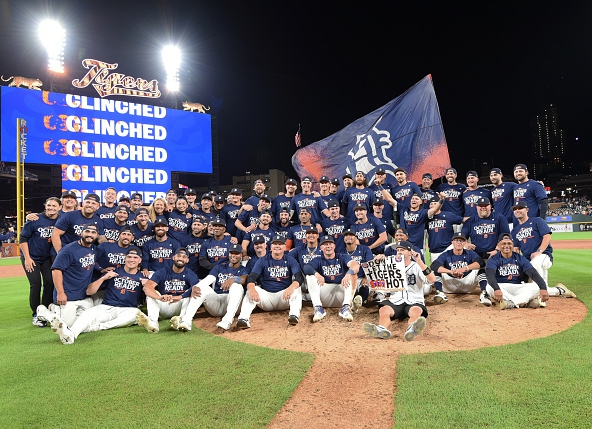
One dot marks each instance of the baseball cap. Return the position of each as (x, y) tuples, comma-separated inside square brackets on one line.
[(133, 250), (278, 239), (306, 179), (403, 230), (520, 166), (326, 239), (124, 198), (137, 196), (495, 171), (171, 190), (459, 235), (284, 210), (378, 202), (450, 170), (519, 205), (348, 231), (236, 191), (69, 194), (258, 181), (380, 170), (93, 197), (161, 220), (265, 212), (265, 197), (291, 182), (347, 175), (403, 245), (305, 210), (332, 203), (504, 236), (206, 196), (122, 209), (472, 173), (219, 199), (483, 201), (361, 172), (142, 210), (335, 182), (360, 207), (190, 191), (399, 169), (125, 228), (311, 230), (324, 179), (427, 176), (199, 219), (219, 222), (433, 199), (235, 248), (91, 226), (258, 239), (181, 251)]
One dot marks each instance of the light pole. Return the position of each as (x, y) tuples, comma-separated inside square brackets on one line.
[(171, 55)]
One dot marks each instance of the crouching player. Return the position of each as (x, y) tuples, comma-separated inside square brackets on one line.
[(405, 303), (120, 303), (220, 292)]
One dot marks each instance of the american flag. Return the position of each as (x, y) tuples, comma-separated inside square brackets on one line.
[(297, 139)]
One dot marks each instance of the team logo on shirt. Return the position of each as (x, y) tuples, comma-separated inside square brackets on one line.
[(174, 285), (87, 261), (278, 271), (117, 259), (161, 253), (125, 284), (437, 224), (451, 194), (508, 270), (177, 224), (331, 271), (45, 231), (497, 193), (520, 192), (217, 252), (524, 234), (484, 229), (411, 217)]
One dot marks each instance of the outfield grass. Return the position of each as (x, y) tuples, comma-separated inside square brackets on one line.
[(127, 378), (583, 235), (5, 262), (537, 383)]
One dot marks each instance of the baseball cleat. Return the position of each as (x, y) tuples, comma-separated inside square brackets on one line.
[(319, 313), (293, 319), (38, 322), (44, 314), (564, 292), (506, 304), (175, 322), (534, 303), (440, 298), (184, 326), (59, 327), (415, 328), (345, 313), (224, 325), (243, 324), (144, 322), (357, 304), (376, 331), (484, 299)]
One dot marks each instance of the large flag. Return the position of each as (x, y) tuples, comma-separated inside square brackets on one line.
[(406, 132)]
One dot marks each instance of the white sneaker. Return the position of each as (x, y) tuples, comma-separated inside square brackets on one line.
[(357, 304), (184, 326), (440, 298), (319, 313), (145, 322), (564, 292), (59, 327), (175, 322), (224, 325), (506, 304), (376, 331), (38, 322), (345, 313), (43, 314), (415, 328), (484, 299)]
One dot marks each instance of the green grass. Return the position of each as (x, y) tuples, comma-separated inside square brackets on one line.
[(128, 378), (537, 383), (583, 235), (5, 262)]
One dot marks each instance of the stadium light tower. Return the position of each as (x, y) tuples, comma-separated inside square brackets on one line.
[(53, 38), (171, 55)]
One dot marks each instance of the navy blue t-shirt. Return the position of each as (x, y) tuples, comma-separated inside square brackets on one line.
[(76, 263)]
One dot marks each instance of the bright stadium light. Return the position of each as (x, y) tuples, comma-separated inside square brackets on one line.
[(171, 55), (53, 38)]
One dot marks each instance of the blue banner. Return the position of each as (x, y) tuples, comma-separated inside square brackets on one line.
[(406, 132)]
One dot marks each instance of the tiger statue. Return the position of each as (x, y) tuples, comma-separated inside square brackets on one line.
[(29, 82), (195, 106)]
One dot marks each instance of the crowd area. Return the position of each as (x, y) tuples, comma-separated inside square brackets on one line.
[(572, 206), (98, 264)]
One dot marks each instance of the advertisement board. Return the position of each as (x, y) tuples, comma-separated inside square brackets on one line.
[(103, 142)]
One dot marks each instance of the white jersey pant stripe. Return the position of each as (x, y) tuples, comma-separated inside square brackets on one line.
[(328, 295), (271, 301)]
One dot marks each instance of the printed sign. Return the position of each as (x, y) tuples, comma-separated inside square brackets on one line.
[(387, 275)]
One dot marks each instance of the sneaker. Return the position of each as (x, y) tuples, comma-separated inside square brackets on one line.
[(243, 324), (293, 320), (43, 314), (564, 292), (415, 329), (484, 299), (378, 297), (534, 303), (184, 326), (38, 322), (175, 322), (319, 313), (63, 331), (144, 322), (506, 304), (224, 325), (357, 304), (440, 298), (376, 331), (345, 313)]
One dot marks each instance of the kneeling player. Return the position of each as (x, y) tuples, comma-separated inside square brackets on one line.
[(120, 303), (405, 303)]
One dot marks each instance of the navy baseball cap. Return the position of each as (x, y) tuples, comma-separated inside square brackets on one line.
[(324, 179), (124, 198), (311, 230), (403, 245), (427, 176), (347, 175), (181, 251), (504, 236), (69, 194), (122, 209), (206, 196), (125, 228), (450, 170), (235, 248), (495, 171), (326, 239), (380, 170), (258, 239), (219, 199), (378, 202), (348, 231), (305, 210), (278, 239), (265, 212), (161, 220), (360, 172), (285, 210), (335, 182), (199, 219), (483, 201), (236, 191), (291, 182), (472, 173), (520, 166), (459, 235), (219, 222), (133, 250), (265, 197), (137, 196), (93, 197), (258, 181), (360, 207), (519, 205), (403, 230), (90, 226), (332, 203), (190, 191), (306, 179), (142, 210), (400, 169)]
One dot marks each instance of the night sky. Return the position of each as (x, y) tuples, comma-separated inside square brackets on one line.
[(265, 67)]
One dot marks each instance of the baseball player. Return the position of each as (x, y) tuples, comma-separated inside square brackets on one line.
[(472, 194), (297, 233), (179, 220), (230, 211), (259, 189), (531, 192), (158, 253), (360, 254), (335, 224), (331, 281), (249, 218), (504, 272), (441, 228), (453, 192), (502, 195), (220, 292), (193, 243), (402, 191), (283, 201), (263, 228), (370, 231), (380, 184), (72, 272), (427, 193), (143, 229), (280, 278), (457, 270), (215, 249), (404, 304), (358, 195), (112, 255), (307, 199), (107, 210), (112, 225), (172, 297), (119, 306)]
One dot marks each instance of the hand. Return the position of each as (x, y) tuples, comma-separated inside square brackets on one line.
[(320, 279), (195, 292), (254, 295), (146, 273), (247, 207), (534, 255), (379, 257), (234, 240), (498, 295), (62, 298), (110, 274), (227, 283), (544, 295), (287, 293), (29, 265)]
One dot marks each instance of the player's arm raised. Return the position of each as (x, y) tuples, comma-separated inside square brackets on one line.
[(94, 286)]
